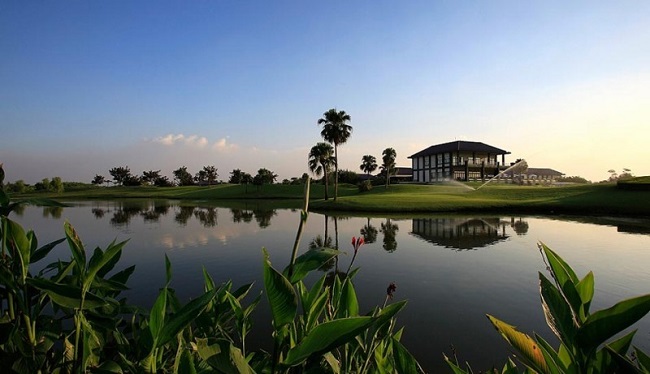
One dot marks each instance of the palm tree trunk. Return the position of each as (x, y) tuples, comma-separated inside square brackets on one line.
[(326, 182), (336, 171)]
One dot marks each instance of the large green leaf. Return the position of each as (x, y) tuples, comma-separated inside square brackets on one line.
[(157, 316), (40, 253), (644, 359), (531, 354), (77, 248), (559, 316), (180, 320), (21, 243), (585, 289), (404, 360), (101, 260), (605, 323), (561, 269), (348, 304), (66, 296), (309, 261), (327, 336), (282, 297)]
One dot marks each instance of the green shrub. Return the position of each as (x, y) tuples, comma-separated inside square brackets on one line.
[(365, 186)]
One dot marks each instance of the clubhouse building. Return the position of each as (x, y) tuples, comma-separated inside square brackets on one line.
[(458, 160)]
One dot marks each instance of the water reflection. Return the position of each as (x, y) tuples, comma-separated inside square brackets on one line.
[(389, 230), (463, 233), (52, 211)]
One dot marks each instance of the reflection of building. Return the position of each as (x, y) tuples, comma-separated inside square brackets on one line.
[(460, 233), (459, 160)]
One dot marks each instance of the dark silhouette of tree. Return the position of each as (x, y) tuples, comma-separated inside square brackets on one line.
[(236, 176), (183, 177), (207, 216), (388, 163), (163, 181), (120, 174), (98, 180), (264, 176), (335, 131), (241, 215), (389, 230), (368, 164), (263, 217), (321, 159), (211, 174), (149, 177)]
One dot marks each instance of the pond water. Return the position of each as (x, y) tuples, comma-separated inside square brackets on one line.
[(453, 269)]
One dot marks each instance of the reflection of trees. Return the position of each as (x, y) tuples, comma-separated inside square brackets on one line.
[(241, 215), (53, 211), (98, 212), (207, 216), (19, 209), (154, 214), (369, 233), (263, 217), (317, 243), (183, 215), (123, 215), (389, 230), (520, 226)]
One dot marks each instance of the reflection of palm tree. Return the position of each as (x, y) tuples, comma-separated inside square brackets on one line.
[(317, 243), (389, 230), (369, 233), (520, 227)]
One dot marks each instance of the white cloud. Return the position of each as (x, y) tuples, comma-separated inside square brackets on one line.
[(222, 145), (192, 140)]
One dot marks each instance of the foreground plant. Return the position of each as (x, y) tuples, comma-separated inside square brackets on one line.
[(585, 337), (69, 317)]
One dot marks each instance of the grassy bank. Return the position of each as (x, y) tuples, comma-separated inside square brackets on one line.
[(599, 199)]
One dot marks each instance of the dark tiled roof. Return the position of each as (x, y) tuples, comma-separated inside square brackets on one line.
[(460, 145), (543, 171)]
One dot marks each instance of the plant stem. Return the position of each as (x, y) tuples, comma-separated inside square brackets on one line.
[(303, 219)]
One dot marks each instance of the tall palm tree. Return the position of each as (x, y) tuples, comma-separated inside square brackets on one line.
[(388, 166), (321, 159), (335, 131), (368, 164)]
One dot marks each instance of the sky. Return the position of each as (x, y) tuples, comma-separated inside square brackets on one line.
[(86, 86)]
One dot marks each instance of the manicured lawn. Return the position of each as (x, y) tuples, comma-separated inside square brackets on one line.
[(600, 199)]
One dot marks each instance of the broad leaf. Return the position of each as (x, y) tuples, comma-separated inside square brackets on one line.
[(282, 297), (327, 336), (309, 261), (21, 243), (530, 351), (180, 320), (558, 313), (100, 260), (605, 323), (404, 360), (644, 359), (157, 316), (40, 253), (585, 289), (66, 296), (76, 246), (348, 304)]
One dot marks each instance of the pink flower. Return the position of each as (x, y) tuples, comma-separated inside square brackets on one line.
[(356, 243)]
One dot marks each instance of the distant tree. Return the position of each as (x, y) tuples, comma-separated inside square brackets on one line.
[(201, 177), (120, 174), (56, 185), (335, 131), (18, 186), (287, 181), (183, 177), (265, 176), (211, 174), (162, 181), (246, 179), (348, 176), (304, 178), (149, 177), (626, 174), (132, 180), (98, 180), (43, 185), (320, 161), (236, 176), (388, 163), (368, 164)]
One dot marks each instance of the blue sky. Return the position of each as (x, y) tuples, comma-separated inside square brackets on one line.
[(89, 85)]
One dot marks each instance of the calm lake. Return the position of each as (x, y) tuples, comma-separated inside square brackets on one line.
[(453, 269)]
